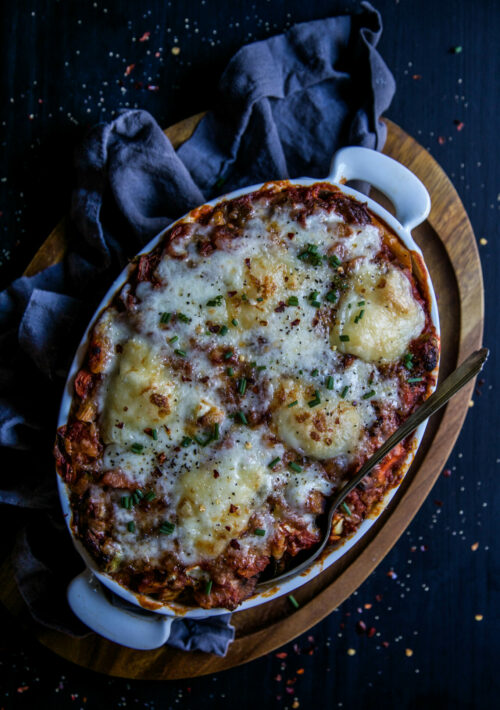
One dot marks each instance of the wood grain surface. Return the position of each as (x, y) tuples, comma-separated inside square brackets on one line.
[(450, 251)]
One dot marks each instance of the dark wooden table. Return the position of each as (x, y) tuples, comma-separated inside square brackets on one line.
[(432, 603)]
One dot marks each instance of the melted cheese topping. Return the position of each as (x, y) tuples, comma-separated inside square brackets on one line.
[(253, 333), (391, 317)]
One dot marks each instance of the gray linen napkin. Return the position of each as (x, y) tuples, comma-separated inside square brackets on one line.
[(284, 105)]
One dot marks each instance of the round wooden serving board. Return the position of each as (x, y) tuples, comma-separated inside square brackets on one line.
[(451, 254)]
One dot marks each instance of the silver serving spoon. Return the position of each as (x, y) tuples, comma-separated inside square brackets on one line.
[(445, 391)]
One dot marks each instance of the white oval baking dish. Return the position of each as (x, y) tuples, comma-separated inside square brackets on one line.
[(148, 630)]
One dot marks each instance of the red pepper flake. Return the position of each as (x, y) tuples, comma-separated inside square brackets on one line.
[(417, 77), (23, 688), (441, 140), (447, 472), (361, 627), (295, 322), (281, 654), (216, 473), (235, 544), (153, 87), (129, 69), (145, 37), (459, 125), (371, 632), (233, 508), (392, 574), (290, 235)]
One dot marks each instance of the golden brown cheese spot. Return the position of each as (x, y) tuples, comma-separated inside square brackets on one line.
[(390, 320), (140, 394), (213, 510), (330, 429), (267, 280)]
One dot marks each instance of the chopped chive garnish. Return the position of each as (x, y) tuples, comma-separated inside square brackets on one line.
[(216, 431), (139, 494), (292, 404), (334, 260), (295, 467), (316, 304), (186, 441), (135, 498), (165, 317), (199, 440), (131, 526), (312, 248), (137, 448), (241, 416), (234, 322), (346, 508), (313, 296), (344, 338), (180, 353), (261, 367), (149, 496), (344, 391), (408, 361), (244, 297), (361, 303), (331, 296), (183, 318), (369, 394), (174, 339), (230, 371), (259, 531), (359, 316), (208, 586), (315, 372), (293, 601), (126, 502), (242, 385), (415, 379), (223, 330), (228, 355), (329, 382), (216, 301), (273, 463), (154, 434), (293, 301), (167, 528), (260, 299), (314, 402)]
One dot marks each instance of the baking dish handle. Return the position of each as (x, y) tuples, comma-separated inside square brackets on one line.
[(408, 195), (88, 601)]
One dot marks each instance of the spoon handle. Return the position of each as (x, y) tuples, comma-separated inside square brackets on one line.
[(444, 392)]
